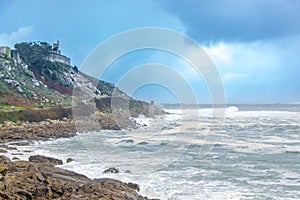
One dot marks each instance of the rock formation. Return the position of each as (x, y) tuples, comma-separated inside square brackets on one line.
[(40, 179)]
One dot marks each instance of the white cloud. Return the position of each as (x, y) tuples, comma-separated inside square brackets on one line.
[(9, 39), (245, 56), (237, 61), (220, 53)]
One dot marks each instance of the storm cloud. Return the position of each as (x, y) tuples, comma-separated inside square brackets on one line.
[(237, 20)]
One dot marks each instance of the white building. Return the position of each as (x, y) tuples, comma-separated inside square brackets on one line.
[(5, 52)]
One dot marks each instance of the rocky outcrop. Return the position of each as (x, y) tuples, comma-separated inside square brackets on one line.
[(45, 159), (44, 130), (70, 160), (41, 180), (111, 170)]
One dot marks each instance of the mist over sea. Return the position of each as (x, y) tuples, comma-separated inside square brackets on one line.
[(256, 155)]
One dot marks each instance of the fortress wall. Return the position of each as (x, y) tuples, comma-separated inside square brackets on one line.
[(59, 58)]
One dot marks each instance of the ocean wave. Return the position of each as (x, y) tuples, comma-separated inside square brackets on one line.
[(232, 109), (142, 143), (126, 141)]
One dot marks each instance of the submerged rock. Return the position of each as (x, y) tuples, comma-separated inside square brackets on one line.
[(70, 160), (111, 170)]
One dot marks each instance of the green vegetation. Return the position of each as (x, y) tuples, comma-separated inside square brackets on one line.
[(33, 52), (8, 116), (58, 112), (35, 56), (27, 92), (7, 53), (9, 108), (31, 115), (4, 88)]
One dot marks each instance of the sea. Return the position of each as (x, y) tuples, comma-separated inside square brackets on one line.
[(251, 153)]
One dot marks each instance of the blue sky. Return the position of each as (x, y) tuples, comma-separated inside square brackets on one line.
[(254, 44)]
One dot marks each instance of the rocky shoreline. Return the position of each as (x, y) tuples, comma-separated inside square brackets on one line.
[(10, 131), (38, 178), (53, 129)]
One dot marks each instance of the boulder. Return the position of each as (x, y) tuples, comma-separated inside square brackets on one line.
[(39, 180), (70, 160), (3, 151), (45, 159), (111, 170), (133, 186), (3, 170)]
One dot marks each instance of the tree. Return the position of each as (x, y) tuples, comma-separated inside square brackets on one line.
[(75, 69), (33, 52)]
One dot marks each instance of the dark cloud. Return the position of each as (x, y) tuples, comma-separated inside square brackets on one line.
[(237, 20)]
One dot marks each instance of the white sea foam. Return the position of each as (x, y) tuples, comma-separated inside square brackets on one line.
[(232, 109), (142, 121)]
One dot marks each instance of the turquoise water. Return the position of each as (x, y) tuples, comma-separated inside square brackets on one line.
[(256, 155)]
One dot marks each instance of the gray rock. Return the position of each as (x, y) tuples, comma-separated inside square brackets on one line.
[(45, 159), (111, 170), (70, 160)]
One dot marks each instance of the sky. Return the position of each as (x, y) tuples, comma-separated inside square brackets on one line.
[(253, 44)]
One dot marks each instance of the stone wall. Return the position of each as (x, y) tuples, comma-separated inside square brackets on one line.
[(15, 57), (59, 58)]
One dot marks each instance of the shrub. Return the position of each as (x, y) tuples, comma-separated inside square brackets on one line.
[(8, 116)]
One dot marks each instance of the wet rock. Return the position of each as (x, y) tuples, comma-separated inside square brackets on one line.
[(5, 161), (17, 154), (70, 160), (111, 170), (3, 151), (40, 177), (3, 145), (3, 170), (12, 148), (25, 194), (20, 143), (133, 186), (45, 159)]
